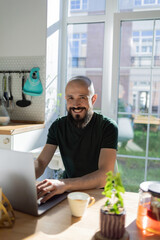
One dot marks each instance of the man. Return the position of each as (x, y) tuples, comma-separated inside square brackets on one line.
[(87, 143)]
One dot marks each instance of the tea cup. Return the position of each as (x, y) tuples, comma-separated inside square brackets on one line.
[(78, 202)]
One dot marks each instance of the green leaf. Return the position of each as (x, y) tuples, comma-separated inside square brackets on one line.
[(107, 203), (120, 189)]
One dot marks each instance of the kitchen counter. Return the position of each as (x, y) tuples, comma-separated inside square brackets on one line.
[(15, 127)]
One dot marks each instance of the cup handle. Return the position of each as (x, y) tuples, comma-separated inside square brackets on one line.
[(92, 201)]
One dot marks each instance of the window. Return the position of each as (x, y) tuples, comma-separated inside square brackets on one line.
[(86, 7), (53, 29), (78, 5), (138, 94), (137, 2), (135, 5), (85, 54), (77, 49), (149, 1), (142, 41), (142, 46)]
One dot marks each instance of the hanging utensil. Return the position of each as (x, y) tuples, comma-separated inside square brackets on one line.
[(33, 85), (5, 92), (11, 102), (24, 102)]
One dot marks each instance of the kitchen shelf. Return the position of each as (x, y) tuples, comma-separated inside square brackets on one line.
[(19, 127)]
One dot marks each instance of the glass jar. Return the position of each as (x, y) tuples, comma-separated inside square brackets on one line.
[(148, 215), (4, 116)]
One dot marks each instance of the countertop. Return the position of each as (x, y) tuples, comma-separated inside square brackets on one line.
[(18, 127)]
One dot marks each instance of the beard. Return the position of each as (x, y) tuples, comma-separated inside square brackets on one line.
[(77, 121)]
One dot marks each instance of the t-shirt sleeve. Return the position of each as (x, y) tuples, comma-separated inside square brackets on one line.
[(52, 135), (110, 136)]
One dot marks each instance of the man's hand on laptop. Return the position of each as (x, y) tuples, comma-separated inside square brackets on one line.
[(48, 188)]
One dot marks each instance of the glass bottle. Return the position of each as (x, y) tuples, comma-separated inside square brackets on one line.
[(4, 116), (148, 215)]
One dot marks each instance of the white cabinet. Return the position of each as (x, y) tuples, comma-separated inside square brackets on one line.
[(22, 140), (26, 141)]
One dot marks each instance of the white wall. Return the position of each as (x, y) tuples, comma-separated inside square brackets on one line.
[(23, 26)]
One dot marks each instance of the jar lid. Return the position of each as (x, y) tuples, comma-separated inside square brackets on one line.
[(154, 189), (144, 186)]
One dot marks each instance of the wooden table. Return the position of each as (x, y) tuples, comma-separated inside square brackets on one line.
[(146, 120), (58, 224)]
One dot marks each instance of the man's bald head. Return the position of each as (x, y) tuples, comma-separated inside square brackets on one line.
[(82, 80)]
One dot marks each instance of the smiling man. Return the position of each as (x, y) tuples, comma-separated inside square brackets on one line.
[(87, 143)]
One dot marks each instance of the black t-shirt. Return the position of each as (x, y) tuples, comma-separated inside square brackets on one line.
[(80, 148)]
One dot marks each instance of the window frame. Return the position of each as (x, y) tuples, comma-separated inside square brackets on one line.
[(107, 19), (118, 18)]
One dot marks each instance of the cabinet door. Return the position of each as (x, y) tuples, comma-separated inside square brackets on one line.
[(28, 141)]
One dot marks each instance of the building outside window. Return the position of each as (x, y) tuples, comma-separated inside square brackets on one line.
[(133, 5), (146, 2), (78, 5), (85, 54), (77, 49)]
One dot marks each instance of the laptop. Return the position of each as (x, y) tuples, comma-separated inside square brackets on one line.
[(18, 183)]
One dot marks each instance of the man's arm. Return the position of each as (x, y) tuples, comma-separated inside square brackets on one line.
[(44, 158), (96, 179)]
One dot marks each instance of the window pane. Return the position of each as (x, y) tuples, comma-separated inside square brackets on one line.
[(86, 7), (157, 44), (156, 92), (153, 170), (132, 172), (51, 75), (132, 136), (149, 1), (135, 5), (137, 42), (52, 12), (134, 90), (154, 137), (85, 54)]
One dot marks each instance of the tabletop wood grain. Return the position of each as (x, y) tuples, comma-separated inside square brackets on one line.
[(58, 224)]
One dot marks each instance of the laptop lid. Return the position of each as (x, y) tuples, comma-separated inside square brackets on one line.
[(18, 182)]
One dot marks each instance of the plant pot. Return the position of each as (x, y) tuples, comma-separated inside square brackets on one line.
[(112, 226)]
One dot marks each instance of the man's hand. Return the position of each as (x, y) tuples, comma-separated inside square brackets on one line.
[(50, 187)]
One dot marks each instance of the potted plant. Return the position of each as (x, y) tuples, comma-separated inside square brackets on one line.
[(112, 213)]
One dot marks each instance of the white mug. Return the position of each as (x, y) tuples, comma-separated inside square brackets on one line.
[(78, 202)]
